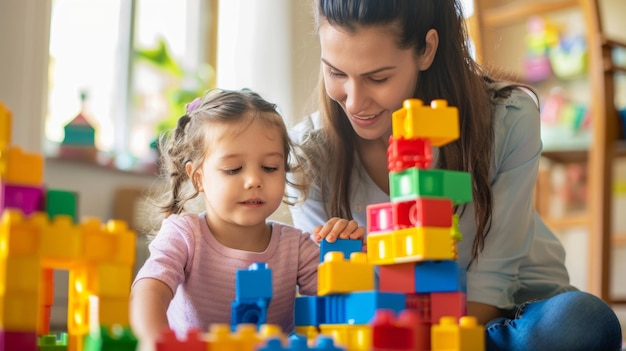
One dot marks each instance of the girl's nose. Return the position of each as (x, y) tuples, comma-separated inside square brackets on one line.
[(253, 180)]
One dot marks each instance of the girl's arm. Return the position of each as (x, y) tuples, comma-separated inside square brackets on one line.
[(149, 300)]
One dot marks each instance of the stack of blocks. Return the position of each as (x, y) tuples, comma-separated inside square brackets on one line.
[(412, 242), (38, 234)]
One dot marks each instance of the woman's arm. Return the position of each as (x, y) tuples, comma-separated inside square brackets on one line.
[(149, 300), (483, 312)]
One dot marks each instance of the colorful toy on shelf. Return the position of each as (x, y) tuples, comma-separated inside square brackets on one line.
[(79, 139), (412, 241)]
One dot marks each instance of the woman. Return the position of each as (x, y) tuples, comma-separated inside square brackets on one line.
[(376, 54)]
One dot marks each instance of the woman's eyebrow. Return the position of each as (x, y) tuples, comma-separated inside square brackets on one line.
[(378, 70)]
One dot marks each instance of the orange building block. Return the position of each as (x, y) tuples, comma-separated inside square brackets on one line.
[(21, 168)]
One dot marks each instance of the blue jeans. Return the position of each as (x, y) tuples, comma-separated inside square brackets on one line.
[(569, 321)]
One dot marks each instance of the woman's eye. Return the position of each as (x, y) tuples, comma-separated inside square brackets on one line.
[(335, 74), (378, 80)]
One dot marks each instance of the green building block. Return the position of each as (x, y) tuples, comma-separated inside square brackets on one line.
[(117, 338), (61, 202), (416, 182), (51, 343)]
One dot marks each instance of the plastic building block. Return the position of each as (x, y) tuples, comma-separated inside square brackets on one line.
[(244, 312), (26, 198), (422, 212), (420, 303), (61, 202), (337, 275), (221, 339), (452, 304), (379, 218), (115, 339), (50, 342), (6, 120), (405, 333), (18, 340), (309, 311), (467, 335), (436, 276), (297, 343), (406, 153), (310, 332), (413, 183), (192, 341), (397, 278), (254, 283), (410, 245), (346, 246), (361, 306), (350, 336), (22, 168), (438, 122)]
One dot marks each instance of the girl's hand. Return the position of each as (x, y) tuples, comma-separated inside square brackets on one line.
[(338, 228)]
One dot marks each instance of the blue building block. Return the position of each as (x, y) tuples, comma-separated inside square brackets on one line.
[(254, 283), (309, 310), (360, 307), (437, 276), (298, 343), (347, 246), (249, 312)]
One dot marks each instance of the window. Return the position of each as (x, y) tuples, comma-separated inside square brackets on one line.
[(137, 61)]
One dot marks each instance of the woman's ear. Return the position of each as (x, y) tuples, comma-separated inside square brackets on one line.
[(432, 43), (196, 177)]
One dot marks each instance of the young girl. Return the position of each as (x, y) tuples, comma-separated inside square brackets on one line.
[(233, 147), (374, 55)]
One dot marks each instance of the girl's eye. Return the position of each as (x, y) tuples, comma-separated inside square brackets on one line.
[(270, 169), (232, 171)]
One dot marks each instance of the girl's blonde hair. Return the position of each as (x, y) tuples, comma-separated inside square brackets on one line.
[(190, 141)]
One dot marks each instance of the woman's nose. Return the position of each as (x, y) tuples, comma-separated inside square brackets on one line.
[(356, 98)]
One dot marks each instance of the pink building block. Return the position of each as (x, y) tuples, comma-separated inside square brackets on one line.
[(26, 198)]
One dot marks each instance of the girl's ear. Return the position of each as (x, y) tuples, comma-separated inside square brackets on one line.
[(432, 43), (196, 177)]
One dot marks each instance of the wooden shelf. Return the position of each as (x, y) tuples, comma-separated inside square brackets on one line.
[(519, 11)]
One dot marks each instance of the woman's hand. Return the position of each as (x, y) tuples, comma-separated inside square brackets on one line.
[(338, 228)]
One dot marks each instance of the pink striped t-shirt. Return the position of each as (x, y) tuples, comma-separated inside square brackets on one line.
[(201, 271)]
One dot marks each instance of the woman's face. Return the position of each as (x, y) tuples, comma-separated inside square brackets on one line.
[(368, 75)]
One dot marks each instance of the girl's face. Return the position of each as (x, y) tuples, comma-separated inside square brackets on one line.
[(368, 75), (243, 176)]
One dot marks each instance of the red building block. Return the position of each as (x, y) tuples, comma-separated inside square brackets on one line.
[(406, 333), (405, 153), (419, 303), (452, 304), (397, 277), (18, 340), (380, 217), (169, 342), (422, 212)]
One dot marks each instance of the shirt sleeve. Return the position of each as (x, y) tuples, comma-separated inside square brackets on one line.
[(493, 278), (170, 254), (308, 261)]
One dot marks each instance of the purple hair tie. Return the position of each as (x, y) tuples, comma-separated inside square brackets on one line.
[(193, 105)]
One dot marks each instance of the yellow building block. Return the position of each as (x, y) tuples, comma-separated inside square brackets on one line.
[(20, 311), (310, 332), (220, 338), (467, 335), (438, 122), (20, 275), (411, 245), (380, 248), (110, 280), (111, 311), (20, 236), (6, 121), (78, 301), (353, 337), (422, 244), (112, 243), (21, 168), (61, 243), (337, 275)]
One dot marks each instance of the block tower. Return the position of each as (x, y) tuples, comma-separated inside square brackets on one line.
[(38, 234), (412, 243)]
